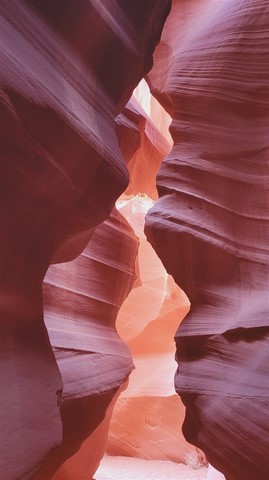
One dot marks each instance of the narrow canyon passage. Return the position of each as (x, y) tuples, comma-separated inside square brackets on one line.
[(145, 434), (147, 417), (134, 229)]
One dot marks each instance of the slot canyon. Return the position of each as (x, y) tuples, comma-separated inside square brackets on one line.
[(134, 240)]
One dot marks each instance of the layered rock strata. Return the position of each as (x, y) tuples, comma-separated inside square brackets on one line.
[(148, 417), (82, 299), (210, 225), (68, 70)]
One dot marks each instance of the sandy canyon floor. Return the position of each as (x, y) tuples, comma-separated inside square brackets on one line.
[(126, 468)]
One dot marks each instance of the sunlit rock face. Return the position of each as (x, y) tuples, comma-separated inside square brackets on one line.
[(68, 70), (148, 417), (210, 225), (144, 140), (158, 115)]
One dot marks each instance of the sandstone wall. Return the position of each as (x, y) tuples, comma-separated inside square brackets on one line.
[(68, 70), (210, 224)]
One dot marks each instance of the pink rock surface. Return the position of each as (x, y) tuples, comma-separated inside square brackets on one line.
[(149, 426), (68, 70), (147, 419), (144, 143), (210, 225), (154, 110), (81, 300)]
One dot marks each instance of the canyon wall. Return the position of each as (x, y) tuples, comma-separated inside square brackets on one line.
[(210, 224), (144, 140), (148, 416), (68, 70), (81, 301)]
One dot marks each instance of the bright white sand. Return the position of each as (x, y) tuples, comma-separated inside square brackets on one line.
[(126, 468)]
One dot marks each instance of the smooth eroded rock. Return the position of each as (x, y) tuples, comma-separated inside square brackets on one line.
[(68, 70), (210, 225)]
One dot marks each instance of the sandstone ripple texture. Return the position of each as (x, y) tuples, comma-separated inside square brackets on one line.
[(210, 224)]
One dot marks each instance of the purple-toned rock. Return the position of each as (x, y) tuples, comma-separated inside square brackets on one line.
[(68, 70), (210, 225)]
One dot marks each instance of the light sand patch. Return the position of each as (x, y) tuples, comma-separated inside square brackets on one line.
[(127, 468)]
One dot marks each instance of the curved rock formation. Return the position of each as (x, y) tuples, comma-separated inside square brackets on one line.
[(81, 300), (158, 115), (210, 225), (143, 145), (68, 70), (148, 417)]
